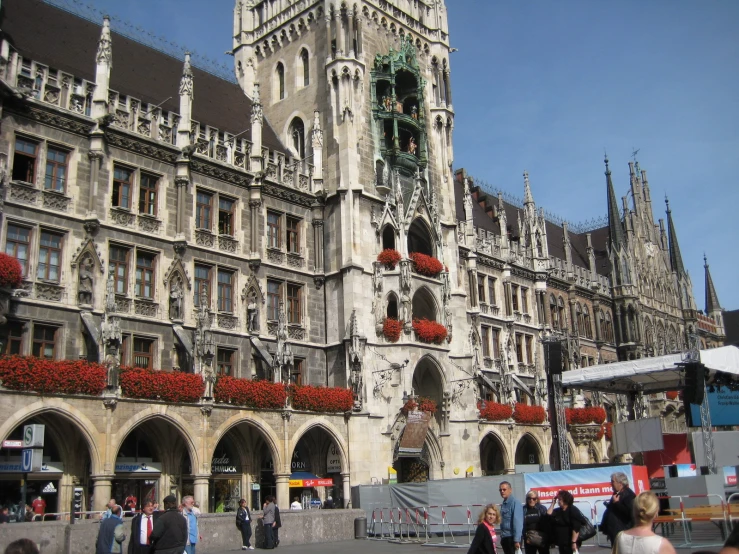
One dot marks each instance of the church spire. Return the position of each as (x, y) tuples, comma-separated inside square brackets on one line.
[(615, 227), (528, 198), (711, 296), (676, 259)]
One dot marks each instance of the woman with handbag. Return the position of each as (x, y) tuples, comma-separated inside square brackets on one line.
[(485, 537), (640, 539), (567, 521), (534, 525)]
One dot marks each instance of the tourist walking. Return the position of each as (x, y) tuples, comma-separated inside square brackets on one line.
[(640, 539), (268, 519), (111, 535), (170, 529), (567, 521), (535, 536), (142, 526), (296, 505), (511, 519), (243, 522), (191, 515), (485, 537), (619, 514)]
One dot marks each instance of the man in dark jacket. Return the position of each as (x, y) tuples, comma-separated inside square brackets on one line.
[(142, 526), (619, 514), (170, 529)]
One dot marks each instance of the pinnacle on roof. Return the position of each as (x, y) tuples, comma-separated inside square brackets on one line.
[(528, 198), (615, 227), (711, 296), (676, 259)]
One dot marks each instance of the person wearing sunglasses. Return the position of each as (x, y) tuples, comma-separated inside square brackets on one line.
[(534, 525)]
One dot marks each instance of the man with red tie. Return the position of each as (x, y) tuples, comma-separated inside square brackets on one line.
[(141, 528)]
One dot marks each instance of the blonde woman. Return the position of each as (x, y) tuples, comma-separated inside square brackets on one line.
[(485, 537), (640, 539)]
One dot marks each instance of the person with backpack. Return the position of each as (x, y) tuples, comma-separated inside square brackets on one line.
[(567, 523), (243, 523)]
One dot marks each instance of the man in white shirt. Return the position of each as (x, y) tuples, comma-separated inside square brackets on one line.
[(296, 505), (141, 527)]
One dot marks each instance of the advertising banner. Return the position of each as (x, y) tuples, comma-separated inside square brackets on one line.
[(730, 476), (318, 482), (588, 486), (724, 407)]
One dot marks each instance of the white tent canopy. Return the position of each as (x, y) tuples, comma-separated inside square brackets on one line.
[(658, 374)]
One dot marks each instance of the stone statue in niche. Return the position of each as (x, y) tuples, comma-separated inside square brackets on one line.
[(175, 300), (252, 312), (414, 112), (86, 283), (405, 301)]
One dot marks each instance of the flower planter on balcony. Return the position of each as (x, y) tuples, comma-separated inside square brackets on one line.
[(389, 258), (422, 404), (494, 411), (52, 376), (169, 386), (584, 416), (426, 265), (11, 273), (252, 394), (429, 331), (392, 328), (321, 399), (529, 415)]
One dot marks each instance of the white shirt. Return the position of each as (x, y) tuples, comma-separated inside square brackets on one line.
[(144, 527), (296, 506)]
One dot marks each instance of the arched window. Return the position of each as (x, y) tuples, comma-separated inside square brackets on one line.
[(297, 137), (305, 67), (562, 314), (555, 313), (392, 306), (388, 237), (609, 328), (578, 317), (539, 246), (419, 238), (280, 81), (586, 322)]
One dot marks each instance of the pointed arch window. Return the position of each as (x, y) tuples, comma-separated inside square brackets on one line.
[(539, 246), (555, 313), (562, 315), (578, 317), (305, 67), (297, 137), (280, 81), (587, 327)]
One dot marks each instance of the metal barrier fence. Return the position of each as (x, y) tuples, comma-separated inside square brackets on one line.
[(64, 516), (454, 525)]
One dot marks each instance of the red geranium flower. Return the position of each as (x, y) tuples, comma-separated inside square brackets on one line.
[(429, 331), (392, 328), (389, 258), (426, 265), (529, 415), (495, 412), (52, 376), (11, 273), (583, 416)]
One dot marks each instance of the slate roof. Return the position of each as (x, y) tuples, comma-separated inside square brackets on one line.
[(65, 41), (555, 233)]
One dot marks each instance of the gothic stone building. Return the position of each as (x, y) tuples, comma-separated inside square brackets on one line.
[(140, 187)]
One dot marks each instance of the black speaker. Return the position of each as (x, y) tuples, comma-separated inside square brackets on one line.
[(554, 357), (705, 470), (695, 376), (672, 471)]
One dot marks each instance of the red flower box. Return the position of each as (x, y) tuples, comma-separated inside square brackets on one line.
[(263, 395), (11, 273), (52, 376), (495, 412), (672, 394), (583, 416), (601, 432), (423, 404), (392, 328), (389, 258), (429, 331), (529, 415), (608, 430), (321, 399), (426, 265), (170, 386)]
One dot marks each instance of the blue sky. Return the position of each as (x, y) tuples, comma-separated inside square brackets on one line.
[(546, 86)]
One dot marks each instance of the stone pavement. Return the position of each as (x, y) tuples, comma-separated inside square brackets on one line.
[(385, 547)]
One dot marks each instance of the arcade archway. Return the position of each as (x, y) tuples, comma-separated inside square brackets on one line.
[(528, 451), (492, 455)]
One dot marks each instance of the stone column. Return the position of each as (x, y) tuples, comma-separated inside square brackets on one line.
[(620, 334), (282, 480), (95, 158), (346, 488), (66, 490), (508, 296), (102, 486), (350, 18), (318, 244), (596, 317), (201, 492), (254, 206), (340, 37), (181, 184)]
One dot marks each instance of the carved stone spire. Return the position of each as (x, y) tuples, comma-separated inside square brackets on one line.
[(186, 80), (712, 304), (317, 134), (615, 227), (528, 198), (105, 44), (676, 259)]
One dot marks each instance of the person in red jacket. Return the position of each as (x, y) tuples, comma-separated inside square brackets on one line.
[(39, 506)]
